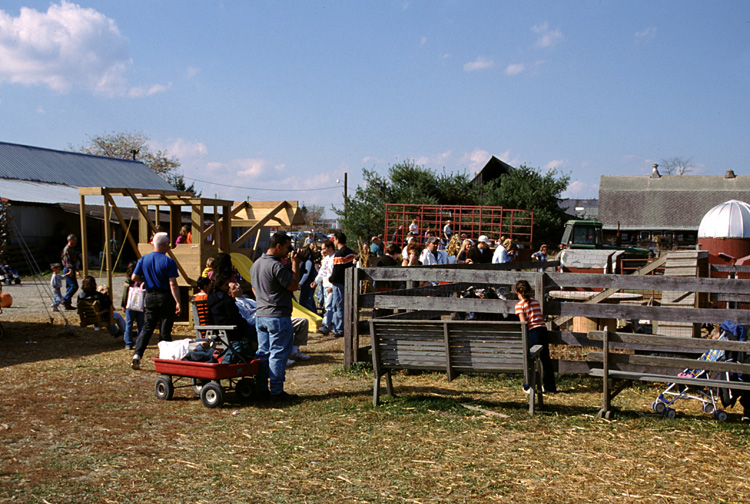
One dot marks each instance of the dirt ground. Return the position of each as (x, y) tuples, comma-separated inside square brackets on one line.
[(78, 425)]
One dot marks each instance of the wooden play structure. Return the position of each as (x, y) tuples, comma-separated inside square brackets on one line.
[(217, 226)]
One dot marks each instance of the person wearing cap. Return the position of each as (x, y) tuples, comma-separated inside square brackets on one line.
[(431, 255), (447, 231), (503, 252), (480, 254), (375, 248)]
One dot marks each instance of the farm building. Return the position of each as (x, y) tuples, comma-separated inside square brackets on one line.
[(663, 212), (40, 188)]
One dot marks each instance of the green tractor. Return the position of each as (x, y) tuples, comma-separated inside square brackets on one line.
[(587, 234)]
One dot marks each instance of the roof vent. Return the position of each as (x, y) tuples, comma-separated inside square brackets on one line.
[(655, 172), (729, 174)]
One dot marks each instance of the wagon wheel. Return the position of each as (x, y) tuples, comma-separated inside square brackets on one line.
[(212, 395), (245, 389), (164, 388)]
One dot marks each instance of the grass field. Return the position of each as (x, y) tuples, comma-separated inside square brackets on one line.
[(77, 425)]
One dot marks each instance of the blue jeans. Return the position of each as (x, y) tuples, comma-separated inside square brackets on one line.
[(307, 298), (130, 317), (71, 286), (56, 297), (338, 309), (275, 336)]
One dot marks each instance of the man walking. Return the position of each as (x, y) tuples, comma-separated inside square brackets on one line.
[(342, 259), (326, 268), (158, 272), (69, 261), (273, 285)]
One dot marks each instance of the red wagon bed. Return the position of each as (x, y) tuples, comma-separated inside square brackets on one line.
[(206, 379)]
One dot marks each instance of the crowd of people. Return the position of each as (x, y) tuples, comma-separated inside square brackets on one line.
[(263, 318)]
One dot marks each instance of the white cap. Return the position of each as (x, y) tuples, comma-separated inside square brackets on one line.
[(484, 239)]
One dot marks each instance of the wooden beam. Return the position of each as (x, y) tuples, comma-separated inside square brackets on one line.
[(607, 293), (125, 228), (84, 236)]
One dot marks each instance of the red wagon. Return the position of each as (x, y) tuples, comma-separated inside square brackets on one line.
[(206, 379)]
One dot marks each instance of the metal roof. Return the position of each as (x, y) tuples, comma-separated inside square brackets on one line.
[(22, 162), (42, 192), (676, 202)]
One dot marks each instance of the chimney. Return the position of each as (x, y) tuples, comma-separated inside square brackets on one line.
[(655, 172), (729, 174)]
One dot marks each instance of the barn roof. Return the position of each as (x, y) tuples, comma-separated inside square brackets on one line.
[(22, 162), (675, 202)]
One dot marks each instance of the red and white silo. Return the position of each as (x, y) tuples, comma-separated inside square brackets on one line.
[(725, 232)]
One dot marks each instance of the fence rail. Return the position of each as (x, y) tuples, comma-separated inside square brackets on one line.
[(433, 289)]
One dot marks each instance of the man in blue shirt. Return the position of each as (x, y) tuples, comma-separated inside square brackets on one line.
[(158, 272)]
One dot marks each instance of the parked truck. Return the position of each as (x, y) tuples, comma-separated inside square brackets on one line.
[(587, 234)]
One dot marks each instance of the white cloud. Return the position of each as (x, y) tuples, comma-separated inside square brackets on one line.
[(555, 164), (547, 38), (579, 190), (139, 92), (250, 168), (445, 55), (515, 69), (423, 41), (40, 111), (434, 161), (183, 149), (476, 160), (192, 71), (66, 48), (645, 35), (480, 63)]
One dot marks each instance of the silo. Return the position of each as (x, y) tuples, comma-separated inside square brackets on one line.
[(725, 232)]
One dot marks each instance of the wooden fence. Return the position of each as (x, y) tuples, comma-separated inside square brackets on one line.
[(431, 291)]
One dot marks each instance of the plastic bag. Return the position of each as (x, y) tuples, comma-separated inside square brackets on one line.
[(136, 298)]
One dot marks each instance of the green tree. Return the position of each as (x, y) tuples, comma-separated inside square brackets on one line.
[(524, 188), (134, 145), (406, 182), (530, 189)]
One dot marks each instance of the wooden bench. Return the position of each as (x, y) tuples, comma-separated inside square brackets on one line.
[(667, 360), (90, 312), (454, 346)]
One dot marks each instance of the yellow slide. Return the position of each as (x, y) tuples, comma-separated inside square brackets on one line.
[(243, 265)]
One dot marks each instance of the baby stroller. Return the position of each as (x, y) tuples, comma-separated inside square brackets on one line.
[(708, 396)]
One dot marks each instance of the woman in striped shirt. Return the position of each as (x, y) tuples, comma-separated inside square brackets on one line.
[(529, 311)]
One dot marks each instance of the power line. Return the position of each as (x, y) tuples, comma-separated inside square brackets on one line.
[(262, 188)]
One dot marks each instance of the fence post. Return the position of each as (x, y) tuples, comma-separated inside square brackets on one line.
[(349, 294)]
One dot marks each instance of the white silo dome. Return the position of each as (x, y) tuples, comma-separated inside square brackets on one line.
[(728, 220)]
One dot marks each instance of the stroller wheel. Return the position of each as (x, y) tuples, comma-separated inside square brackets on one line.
[(659, 407), (720, 415), (709, 408), (670, 413)]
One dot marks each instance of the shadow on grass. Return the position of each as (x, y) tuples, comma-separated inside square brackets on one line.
[(36, 342)]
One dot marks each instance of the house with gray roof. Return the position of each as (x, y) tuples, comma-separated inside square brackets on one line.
[(663, 210), (41, 187)]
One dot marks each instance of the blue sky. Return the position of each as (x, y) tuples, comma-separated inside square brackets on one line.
[(277, 100)]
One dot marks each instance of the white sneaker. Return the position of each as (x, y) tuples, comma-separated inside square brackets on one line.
[(289, 362), (300, 356), (135, 363)]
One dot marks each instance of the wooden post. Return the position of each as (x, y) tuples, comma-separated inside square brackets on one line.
[(225, 244), (605, 371), (84, 238), (107, 251), (350, 352), (539, 291), (354, 310)]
